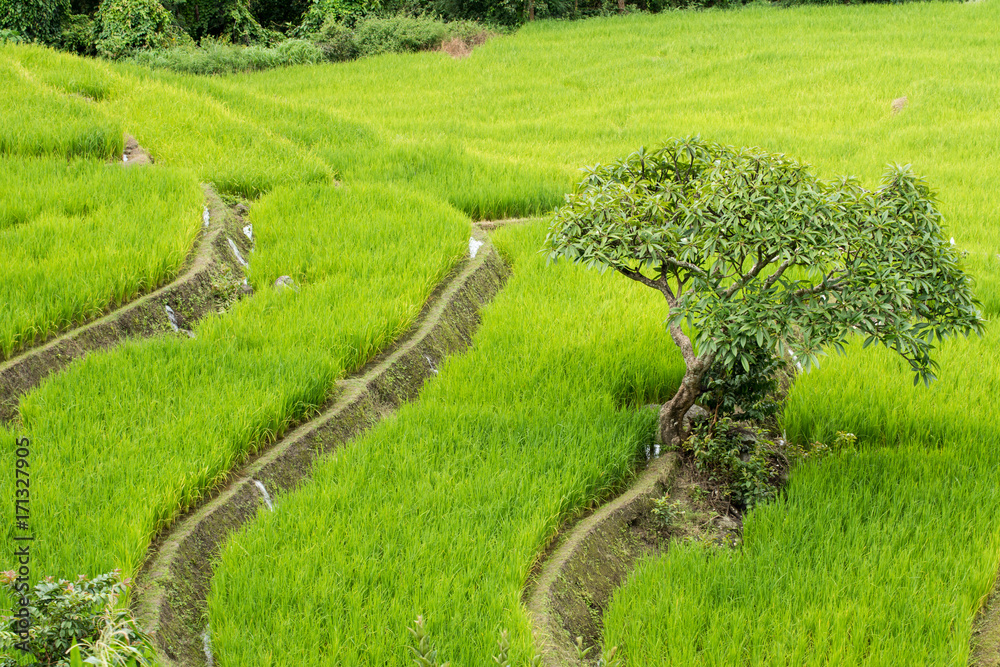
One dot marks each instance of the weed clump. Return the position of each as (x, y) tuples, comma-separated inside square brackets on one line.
[(737, 458), (81, 617)]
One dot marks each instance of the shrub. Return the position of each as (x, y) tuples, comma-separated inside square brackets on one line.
[(299, 52), (733, 457), (64, 613), (78, 35), (127, 26), (217, 57), (344, 11), (336, 41), (232, 20), (398, 33), (240, 26), (11, 37), (34, 19), (732, 387)]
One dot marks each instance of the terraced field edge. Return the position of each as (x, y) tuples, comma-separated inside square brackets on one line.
[(210, 278), (576, 578), (172, 587)]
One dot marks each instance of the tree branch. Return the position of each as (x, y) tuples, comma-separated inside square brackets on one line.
[(693, 268), (750, 275), (684, 343), (816, 289), (777, 274), (661, 285)]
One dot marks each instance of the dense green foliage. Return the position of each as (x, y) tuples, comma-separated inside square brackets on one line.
[(734, 458), (79, 35), (63, 614), (129, 26), (751, 391), (126, 26), (219, 18), (35, 19), (754, 252)]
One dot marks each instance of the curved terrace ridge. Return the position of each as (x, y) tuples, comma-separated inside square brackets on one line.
[(190, 296), (578, 577), (985, 648), (173, 585)]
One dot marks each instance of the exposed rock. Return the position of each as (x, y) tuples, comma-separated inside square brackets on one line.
[(285, 282), (135, 155)]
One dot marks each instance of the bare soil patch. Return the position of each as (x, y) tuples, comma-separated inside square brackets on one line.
[(459, 47), (135, 155), (491, 225), (986, 632)]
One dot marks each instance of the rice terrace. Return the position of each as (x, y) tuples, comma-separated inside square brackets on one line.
[(310, 353)]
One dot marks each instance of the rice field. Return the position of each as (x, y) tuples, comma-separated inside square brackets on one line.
[(365, 176), (442, 510), (879, 556), (124, 440), (109, 235)]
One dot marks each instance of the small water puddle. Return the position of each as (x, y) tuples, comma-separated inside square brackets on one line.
[(236, 252), (263, 492), (474, 247), (206, 644)]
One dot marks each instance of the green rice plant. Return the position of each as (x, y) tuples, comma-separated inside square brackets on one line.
[(443, 509), (224, 148), (39, 119), (147, 428), (81, 77), (87, 106), (482, 185), (79, 238), (557, 96), (877, 558)]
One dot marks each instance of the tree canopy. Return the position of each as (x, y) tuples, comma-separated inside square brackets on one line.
[(753, 251)]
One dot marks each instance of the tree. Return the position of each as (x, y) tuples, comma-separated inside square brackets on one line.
[(35, 19), (751, 251)]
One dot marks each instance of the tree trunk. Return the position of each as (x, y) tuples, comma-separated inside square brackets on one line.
[(531, 10), (671, 430), (621, 6)]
